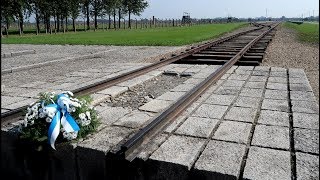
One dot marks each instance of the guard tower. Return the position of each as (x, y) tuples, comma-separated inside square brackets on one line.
[(186, 18)]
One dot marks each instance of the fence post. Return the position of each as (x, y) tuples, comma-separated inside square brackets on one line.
[(172, 22)]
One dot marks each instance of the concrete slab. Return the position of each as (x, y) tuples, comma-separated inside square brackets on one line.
[(276, 94), (233, 131), (6, 100), (220, 160), (255, 85), (183, 87), (300, 80), (275, 118), (258, 79), (134, 119), (261, 68), (152, 146), (278, 74), (233, 83), (241, 114), (300, 87), (232, 90), (307, 166), (263, 164), (244, 101), (304, 120), (175, 124), (271, 136), (110, 115), (277, 86), (260, 73), (19, 104), (302, 96), (179, 150), (171, 96), (210, 111), (251, 92), (305, 107), (306, 140), (113, 91), (220, 99), (198, 127), (275, 104), (155, 105), (240, 77)]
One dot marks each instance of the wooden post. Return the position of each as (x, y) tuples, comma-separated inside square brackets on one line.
[(136, 23)]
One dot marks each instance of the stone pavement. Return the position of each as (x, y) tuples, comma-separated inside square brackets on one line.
[(254, 123)]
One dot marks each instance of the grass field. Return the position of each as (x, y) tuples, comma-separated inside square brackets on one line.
[(170, 36), (307, 32)]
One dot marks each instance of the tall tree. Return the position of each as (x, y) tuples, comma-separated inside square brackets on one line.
[(98, 7), (86, 11), (74, 12), (134, 7)]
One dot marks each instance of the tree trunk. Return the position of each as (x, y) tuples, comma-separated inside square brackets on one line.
[(21, 23), (109, 21), (66, 23), (58, 23), (95, 21), (48, 24), (114, 18), (38, 24), (88, 20), (74, 24), (119, 20), (129, 25)]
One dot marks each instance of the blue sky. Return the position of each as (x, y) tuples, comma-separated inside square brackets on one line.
[(236, 8)]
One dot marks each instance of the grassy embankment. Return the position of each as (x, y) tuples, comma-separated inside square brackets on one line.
[(307, 32), (170, 36)]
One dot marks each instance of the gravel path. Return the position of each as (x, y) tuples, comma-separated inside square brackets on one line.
[(286, 51)]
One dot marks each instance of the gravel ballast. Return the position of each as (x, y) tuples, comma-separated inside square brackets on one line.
[(286, 51)]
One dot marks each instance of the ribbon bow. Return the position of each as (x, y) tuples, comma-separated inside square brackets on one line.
[(67, 121)]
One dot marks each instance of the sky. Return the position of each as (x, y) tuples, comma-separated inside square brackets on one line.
[(236, 8)]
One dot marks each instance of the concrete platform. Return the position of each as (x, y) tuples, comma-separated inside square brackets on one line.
[(255, 123)]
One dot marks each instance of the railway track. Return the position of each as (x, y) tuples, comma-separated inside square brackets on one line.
[(243, 48)]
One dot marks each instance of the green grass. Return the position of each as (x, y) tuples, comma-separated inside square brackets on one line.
[(170, 36), (307, 32)]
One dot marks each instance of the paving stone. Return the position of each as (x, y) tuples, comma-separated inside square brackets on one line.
[(241, 114), (261, 68), (99, 98), (155, 105), (177, 122), (193, 81), (233, 131), (271, 136), (111, 114), (305, 106), (277, 86), (300, 87), (306, 140), (233, 83), (294, 72), (154, 73), (152, 146), (240, 77), (179, 150), (6, 100), (302, 95), (307, 166), (19, 104), (276, 94), (4, 110), (231, 70), (244, 101), (190, 109), (183, 87), (113, 90), (245, 68), (91, 153), (221, 160), (276, 118), (220, 99), (198, 127), (258, 79), (255, 85), (277, 79), (232, 90), (171, 96), (302, 80), (260, 73), (265, 164), (201, 75), (278, 74), (225, 76), (278, 69), (275, 104), (33, 84), (238, 71), (135, 119), (304, 120), (251, 92), (210, 111)]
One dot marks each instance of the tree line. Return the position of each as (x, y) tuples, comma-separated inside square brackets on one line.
[(60, 10)]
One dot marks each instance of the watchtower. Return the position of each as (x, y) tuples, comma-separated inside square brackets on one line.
[(186, 18)]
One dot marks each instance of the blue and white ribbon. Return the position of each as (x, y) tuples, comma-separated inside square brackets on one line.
[(62, 117)]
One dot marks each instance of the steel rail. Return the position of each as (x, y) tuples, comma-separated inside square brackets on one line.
[(15, 114), (130, 148)]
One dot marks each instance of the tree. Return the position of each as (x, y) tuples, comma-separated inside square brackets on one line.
[(74, 12), (134, 7), (97, 10), (86, 11)]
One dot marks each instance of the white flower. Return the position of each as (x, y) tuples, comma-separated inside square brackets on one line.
[(48, 120), (71, 135), (82, 116), (88, 114), (85, 123), (31, 122), (42, 115), (25, 123)]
